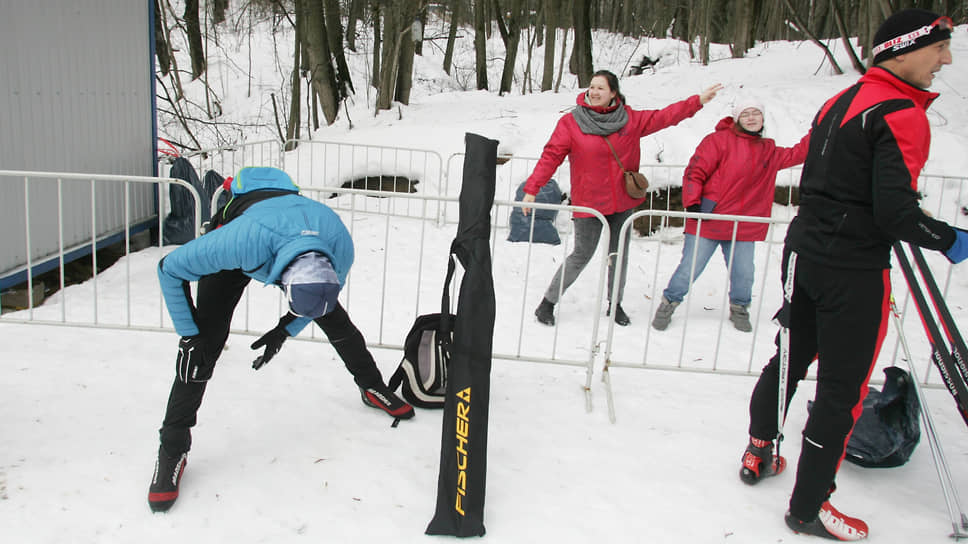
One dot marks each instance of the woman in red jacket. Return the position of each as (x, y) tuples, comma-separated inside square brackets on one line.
[(733, 172), (597, 180)]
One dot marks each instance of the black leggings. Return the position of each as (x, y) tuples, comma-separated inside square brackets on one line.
[(838, 317), (218, 295)]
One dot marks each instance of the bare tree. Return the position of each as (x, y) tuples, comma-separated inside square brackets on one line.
[(378, 44), (321, 71), (839, 19), (512, 38), (806, 31), (161, 42), (218, 11), (292, 126), (396, 62), (354, 15), (551, 15), (480, 42), (452, 34), (742, 27), (193, 29), (334, 33), (581, 54)]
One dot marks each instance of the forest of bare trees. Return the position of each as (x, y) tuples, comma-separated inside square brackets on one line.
[(324, 29)]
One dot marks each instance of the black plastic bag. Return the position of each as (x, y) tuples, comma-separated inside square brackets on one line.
[(888, 430)]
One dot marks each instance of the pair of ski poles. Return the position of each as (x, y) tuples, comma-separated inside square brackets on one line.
[(951, 364)]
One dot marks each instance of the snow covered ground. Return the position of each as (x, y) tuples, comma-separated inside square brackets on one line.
[(289, 454)]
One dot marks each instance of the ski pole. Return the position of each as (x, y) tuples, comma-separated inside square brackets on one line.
[(940, 355), (783, 373), (951, 499)]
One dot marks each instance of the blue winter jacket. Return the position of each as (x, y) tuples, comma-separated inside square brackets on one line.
[(261, 242)]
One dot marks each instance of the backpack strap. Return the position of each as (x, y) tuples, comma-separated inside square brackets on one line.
[(238, 204)]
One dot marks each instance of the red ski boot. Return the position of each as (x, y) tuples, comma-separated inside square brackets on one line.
[(759, 463), (829, 523)]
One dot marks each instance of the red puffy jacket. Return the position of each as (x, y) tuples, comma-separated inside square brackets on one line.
[(736, 173), (596, 179)]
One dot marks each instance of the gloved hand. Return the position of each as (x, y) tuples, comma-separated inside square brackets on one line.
[(272, 341), (192, 365), (958, 250)]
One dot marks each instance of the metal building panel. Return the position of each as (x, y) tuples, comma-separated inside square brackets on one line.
[(75, 96)]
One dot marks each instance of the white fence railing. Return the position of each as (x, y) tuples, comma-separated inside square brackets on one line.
[(402, 246), (86, 190)]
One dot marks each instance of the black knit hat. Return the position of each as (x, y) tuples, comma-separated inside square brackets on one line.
[(907, 31)]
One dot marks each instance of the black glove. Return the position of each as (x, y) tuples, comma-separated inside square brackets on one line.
[(694, 208), (272, 341), (192, 365)]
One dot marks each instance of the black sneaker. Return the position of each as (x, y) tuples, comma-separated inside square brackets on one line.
[(759, 463), (545, 313), (164, 483), (829, 523), (381, 397), (621, 318)]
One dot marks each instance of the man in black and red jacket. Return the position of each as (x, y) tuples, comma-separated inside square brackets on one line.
[(858, 195)]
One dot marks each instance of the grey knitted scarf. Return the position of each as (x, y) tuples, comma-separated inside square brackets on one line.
[(600, 124)]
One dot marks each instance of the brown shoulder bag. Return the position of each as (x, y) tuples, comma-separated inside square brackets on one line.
[(636, 183)]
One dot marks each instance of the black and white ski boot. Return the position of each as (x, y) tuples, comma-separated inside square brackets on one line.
[(164, 483)]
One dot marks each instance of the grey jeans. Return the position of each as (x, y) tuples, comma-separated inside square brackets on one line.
[(587, 232)]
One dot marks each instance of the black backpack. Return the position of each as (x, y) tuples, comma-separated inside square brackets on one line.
[(426, 355)]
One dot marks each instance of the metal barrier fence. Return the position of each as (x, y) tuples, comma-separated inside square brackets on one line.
[(51, 184), (402, 245), (701, 338)]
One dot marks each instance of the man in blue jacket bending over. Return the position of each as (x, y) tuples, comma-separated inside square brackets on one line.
[(270, 233)]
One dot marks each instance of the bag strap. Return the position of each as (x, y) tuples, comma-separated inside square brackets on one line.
[(445, 325), (614, 154)]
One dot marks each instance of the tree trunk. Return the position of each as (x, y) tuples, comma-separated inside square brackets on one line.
[(742, 27), (355, 14), (408, 50), (218, 11), (452, 34), (551, 30), (705, 18), (499, 18), (193, 29), (377, 45), (480, 42), (527, 83), (581, 54), (845, 38), (161, 42), (321, 71), (394, 32), (334, 32), (418, 40), (292, 126), (511, 45)]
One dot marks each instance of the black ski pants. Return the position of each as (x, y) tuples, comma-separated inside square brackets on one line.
[(838, 317), (218, 295)]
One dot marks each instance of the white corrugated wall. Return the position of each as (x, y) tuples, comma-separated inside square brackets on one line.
[(76, 95)]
